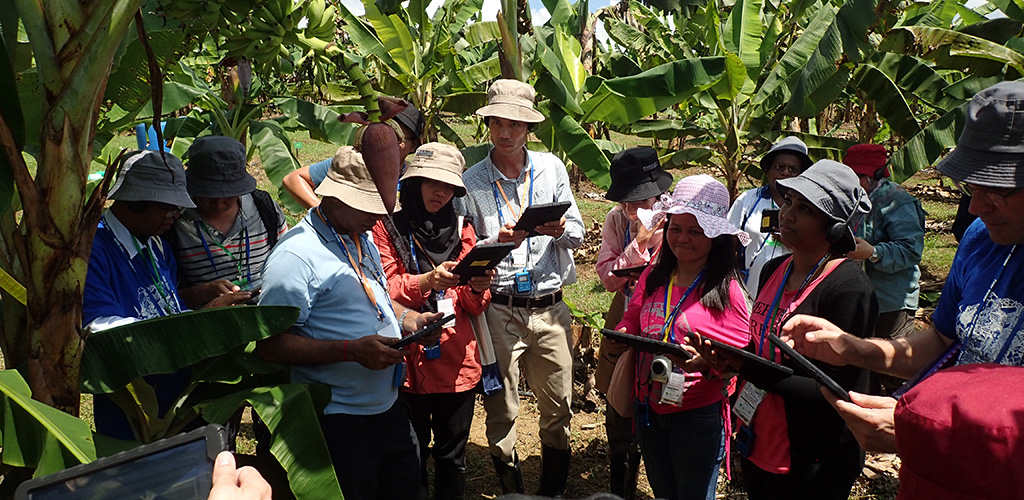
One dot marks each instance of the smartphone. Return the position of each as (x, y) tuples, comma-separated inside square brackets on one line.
[(769, 221), (255, 298)]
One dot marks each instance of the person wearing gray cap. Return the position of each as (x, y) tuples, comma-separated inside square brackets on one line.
[(530, 325), (980, 315), (301, 183), (793, 445), (222, 243), (132, 273), (786, 158)]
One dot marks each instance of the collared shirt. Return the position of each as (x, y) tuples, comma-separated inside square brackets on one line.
[(745, 214), (895, 227), (307, 269), (549, 261)]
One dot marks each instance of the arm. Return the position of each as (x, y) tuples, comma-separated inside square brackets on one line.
[(611, 253), (371, 351), (905, 227), (299, 184)]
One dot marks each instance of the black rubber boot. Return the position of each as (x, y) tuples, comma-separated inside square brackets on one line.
[(554, 471), (449, 482), (632, 471), (509, 477)]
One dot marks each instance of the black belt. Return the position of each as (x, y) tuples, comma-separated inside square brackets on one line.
[(532, 303)]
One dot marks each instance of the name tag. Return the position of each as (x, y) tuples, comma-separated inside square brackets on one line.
[(446, 307), (519, 257), (746, 404), (673, 390)]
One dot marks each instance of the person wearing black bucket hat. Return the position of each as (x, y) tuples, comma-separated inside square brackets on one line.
[(786, 158), (979, 316), (222, 243), (637, 181)]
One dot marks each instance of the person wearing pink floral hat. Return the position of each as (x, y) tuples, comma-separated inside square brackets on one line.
[(682, 419)]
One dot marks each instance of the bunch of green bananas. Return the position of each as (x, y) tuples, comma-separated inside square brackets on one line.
[(321, 20)]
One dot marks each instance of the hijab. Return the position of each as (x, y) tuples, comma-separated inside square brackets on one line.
[(436, 237)]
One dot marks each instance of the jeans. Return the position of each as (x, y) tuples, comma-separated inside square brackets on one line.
[(683, 451)]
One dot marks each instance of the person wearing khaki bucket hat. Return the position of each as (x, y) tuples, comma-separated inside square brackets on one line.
[(328, 267), (418, 251), (527, 319)]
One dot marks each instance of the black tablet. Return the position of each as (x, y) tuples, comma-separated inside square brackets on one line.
[(422, 332), (811, 369), (743, 353), (625, 272), (179, 467), (480, 259), (645, 344), (540, 213)]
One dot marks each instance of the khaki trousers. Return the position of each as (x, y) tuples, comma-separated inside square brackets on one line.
[(536, 342)]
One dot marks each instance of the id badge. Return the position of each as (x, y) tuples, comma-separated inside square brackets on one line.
[(672, 391), (399, 378), (433, 352), (519, 257), (523, 282), (746, 404), (446, 307)]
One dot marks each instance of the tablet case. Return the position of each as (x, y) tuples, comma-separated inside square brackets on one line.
[(481, 258), (645, 344), (538, 214)]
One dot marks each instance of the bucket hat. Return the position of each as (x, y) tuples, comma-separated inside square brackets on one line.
[(145, 176), (990, 150), (411, 118), (637, 175), (349, 181), (216, 168), (440, 162), (513, 100), (834, 189), (703, 197), (867, 159), (791, 145), (960, 435)]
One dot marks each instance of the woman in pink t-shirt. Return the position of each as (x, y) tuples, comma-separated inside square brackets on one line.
[(681, 420)]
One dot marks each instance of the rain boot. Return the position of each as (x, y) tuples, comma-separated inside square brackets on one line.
[(509, 477), (449, 482), (554, 471)]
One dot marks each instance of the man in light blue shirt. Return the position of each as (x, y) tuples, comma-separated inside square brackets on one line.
[(328, 268)]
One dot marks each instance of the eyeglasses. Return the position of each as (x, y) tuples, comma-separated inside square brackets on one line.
[(172, 211), (783, 168), (996, 197)]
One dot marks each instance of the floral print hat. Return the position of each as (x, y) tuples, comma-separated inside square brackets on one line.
[(700, 195)]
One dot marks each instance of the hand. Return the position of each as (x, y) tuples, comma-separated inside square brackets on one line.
[(506, 234), (553, 228), (614, 347), (819, 339), (441, 278), (229, 299), (720, 361), (870, 419), (644, 235), (695, 364), (230, 483), (423, 319), (862, 252), (481, 284), (374, 352)]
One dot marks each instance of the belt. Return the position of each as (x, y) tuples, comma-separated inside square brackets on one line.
[(531, 303)]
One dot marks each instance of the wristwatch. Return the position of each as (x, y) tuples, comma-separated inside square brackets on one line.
[(874, 255)]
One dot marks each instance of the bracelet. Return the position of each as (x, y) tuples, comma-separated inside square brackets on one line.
[(401, 320)]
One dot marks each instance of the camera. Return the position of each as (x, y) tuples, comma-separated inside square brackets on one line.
[(661, 367), (769, 221)]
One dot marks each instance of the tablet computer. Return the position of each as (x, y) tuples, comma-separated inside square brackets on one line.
[(810, 368), (480, 259), (743, 353), (538, 214), (645, 344), (625, 272), (422, 332), (179, 467)]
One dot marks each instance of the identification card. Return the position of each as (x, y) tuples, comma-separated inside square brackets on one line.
[(519, 257), (672, 391), (433, 352), (746, 404), (446, 307)]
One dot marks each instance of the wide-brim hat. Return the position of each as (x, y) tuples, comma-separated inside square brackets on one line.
[(349, 181), (990, 150), (834, 189), (637, 175), (791, 145), (512, 100), (867, 159), (151, 176), (216, 168), (703, 197), (440, 162)]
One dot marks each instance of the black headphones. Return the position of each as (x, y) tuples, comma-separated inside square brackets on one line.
[(837, 230)]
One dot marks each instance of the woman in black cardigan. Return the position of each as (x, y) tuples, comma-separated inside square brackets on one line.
[(794, 445)]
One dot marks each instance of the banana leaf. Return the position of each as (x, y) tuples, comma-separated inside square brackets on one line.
[(927, 146), (36, 435), (743, 34), (114, 357), (394, 34), (291, 413), (321, 121), (577, 144), (953, 49), (889, 100), (276, 156)]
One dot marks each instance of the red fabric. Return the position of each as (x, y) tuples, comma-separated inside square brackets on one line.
[(959, 434), (458, 368), (866, 159)]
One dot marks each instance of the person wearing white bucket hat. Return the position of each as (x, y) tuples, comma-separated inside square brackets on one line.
[(328, 267), (529, 323)]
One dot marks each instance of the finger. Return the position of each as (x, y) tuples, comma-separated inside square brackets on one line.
[(253, 485), (224, 472), (387, 340), (868, 401)]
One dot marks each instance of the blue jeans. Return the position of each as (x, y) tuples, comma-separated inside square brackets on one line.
[(683, 451)]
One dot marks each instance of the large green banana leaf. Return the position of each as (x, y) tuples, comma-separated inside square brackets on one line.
[(743, 34), (291, 413), (951, 49), (277, 157), (928, 145), (114, 357), (38, 436), (321, 121), (128, 84), (889, 101), (576, 143)]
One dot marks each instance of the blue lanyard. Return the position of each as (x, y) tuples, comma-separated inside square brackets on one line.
[(667, 328), (628, 238), (201, 228), (501, 217), (439, 294), (778, 295)]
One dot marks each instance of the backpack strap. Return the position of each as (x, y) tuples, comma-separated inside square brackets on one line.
[(267, 208)]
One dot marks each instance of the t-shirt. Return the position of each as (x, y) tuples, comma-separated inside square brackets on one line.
[(308, 269), (645, 316), (318, 171), (990, 330)]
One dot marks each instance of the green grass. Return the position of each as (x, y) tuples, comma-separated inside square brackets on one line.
[(938, 211), (939, 249)]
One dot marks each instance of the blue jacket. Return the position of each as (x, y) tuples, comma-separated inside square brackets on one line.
[(895, 227)]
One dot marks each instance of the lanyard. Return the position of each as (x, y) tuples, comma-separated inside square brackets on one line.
[(497, 202), (666, 329), (628, 238), (778, 295), (163, 298), (201, 228), (413, 244), (984, 305), (356, 266)]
